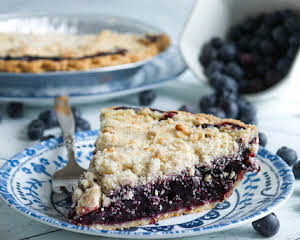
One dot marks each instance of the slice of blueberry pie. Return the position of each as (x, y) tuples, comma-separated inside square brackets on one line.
[(150, 165), (61, 52)]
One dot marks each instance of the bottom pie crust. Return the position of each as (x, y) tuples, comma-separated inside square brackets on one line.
[(145, 221)]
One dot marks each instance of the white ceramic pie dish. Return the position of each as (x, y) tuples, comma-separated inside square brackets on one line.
[(214, 18)]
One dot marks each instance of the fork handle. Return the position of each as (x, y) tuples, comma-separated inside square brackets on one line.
[(67, 124)]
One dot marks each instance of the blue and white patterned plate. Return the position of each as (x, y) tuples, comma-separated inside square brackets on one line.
[(25, 184)]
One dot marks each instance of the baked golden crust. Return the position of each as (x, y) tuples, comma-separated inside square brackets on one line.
[(74, 61), (141, 222), (135, 147)]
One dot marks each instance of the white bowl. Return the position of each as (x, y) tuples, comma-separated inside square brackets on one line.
[(214, 17)]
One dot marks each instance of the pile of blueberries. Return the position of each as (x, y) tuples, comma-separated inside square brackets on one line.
[(48, 119), (255, 55), (225, 103)]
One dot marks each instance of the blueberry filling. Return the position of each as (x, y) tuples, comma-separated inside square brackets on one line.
[(233, 126), (138, 109), (57, 58), (29, 58), (182, 191), (152, 38), (125, 108)]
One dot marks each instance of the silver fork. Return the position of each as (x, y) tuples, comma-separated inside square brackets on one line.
[(65, 179)]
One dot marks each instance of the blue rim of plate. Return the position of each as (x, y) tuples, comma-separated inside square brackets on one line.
[(6, 170)]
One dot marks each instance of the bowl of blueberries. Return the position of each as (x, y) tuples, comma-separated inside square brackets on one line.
[(248, 48)]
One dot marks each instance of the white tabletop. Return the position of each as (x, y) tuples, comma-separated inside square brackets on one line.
[(277, 119)]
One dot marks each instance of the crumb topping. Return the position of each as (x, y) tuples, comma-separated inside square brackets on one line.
[(61, 52), (136, 147)]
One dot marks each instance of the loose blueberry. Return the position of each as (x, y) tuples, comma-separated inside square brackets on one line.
[(147, 97), (262, 139), (214, 66), (15, 109), (267, 226), (288, 155), (270, 61), (292, 52), (257, 57), (245, 59), (224, 95), (247, 112), (280, 35), (287, 13), (255, 85), (234, 70), (272, 19), (291, 20), (272, 77), (49, 118), (255, 42), (82, 125), (235, 32), (261, 69), (208, 53), (267, 47), (47, 137), (296, 170), (187, 108), (250, 24), (292, 24), (228, 52), (263, 31), (226, 83), (35, 129), (218, 112), (283, 65), (230, 108), (207, 102), (217, 42), (243, 85), (244, 44), (294, 40), (76, 112), (215, 78)]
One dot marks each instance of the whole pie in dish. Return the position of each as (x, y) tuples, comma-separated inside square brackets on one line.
[(61, 52), (150, 165)]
